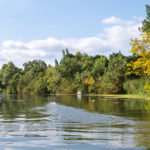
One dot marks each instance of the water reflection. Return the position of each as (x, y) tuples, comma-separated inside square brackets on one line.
[(131, 108), (16, 105), (71, 122)]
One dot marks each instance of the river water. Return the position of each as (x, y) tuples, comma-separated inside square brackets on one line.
[(73, 122)]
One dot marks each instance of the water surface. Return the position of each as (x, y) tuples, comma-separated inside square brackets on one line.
[(71, 122)]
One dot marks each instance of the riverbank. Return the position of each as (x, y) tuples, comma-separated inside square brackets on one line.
[(101, 95), (110, 95)]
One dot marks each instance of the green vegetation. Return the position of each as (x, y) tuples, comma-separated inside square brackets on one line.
[(146, 22), (79, 72)]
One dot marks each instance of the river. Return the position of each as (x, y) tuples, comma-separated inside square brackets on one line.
[(73, 122)]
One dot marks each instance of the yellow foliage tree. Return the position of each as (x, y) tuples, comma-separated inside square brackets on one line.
[(141, 50)]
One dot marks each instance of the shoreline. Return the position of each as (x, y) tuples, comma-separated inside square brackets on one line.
[(96, 95), (108, 95), (105, 95)]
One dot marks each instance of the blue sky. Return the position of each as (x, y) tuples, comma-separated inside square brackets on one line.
[(59, 22)]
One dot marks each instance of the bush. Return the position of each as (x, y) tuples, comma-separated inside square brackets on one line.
[(41, 87), (134, 86), (30, 88), (67, 87)]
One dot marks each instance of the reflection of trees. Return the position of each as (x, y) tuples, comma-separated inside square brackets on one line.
[(134, 108), (143, 129), (142, 138), (15, 105), (147, 106)]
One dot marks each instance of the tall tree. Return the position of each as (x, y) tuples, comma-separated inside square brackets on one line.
[(116, 70), (141, 66), (7, 72), (34, 67), (99, 66), (146, 22)]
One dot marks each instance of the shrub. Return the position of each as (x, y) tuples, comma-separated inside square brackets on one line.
[(134, 86)]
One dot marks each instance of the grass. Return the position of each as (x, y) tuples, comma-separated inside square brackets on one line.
[(112, 95)]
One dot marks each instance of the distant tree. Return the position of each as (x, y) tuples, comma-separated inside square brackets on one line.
[(78, 56), (13, 83), (7, 72), (141, 66), (146, 22), (32, 71), (99, 66), (21, 84), (66, 53), (56, 63), (86, 63), (41, 86), (68, 67), (116, 71), (53, 79), (34, 67)]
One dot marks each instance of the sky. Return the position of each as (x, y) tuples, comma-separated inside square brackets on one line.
[(41, 29)]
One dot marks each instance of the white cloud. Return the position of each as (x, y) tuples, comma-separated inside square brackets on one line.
[(116, 36), (111, 20), (115, 20)]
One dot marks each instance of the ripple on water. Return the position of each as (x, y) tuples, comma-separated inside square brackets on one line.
[(56, 126)]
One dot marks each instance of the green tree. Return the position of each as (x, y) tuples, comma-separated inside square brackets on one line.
[(99, 66), (34, 67), (52, 78), (7, 72), (116, 71), (86, 63), (21, 84), (146, 22), (68, 67), (41, 86), (13, 83)]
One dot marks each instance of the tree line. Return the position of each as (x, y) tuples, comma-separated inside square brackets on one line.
[(75, 72)]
